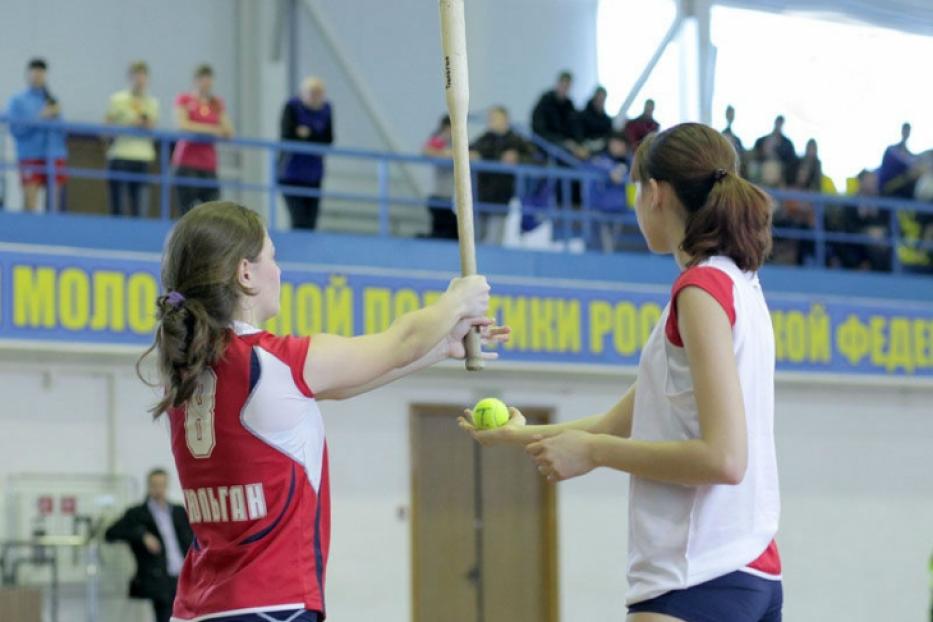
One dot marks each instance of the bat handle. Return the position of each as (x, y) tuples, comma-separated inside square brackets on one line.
[(473, 343)]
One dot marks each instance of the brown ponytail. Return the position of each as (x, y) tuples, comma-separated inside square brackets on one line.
[(726, 215), (200, 278)]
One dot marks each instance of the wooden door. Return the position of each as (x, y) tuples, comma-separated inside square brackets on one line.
[(455, 481)]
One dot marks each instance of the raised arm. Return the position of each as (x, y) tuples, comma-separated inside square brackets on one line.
[(451, 347), (336, 365)]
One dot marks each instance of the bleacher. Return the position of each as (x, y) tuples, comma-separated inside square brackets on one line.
[(376, 193)]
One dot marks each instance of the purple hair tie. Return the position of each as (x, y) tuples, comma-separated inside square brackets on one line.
[(719, 174), (174, 298)]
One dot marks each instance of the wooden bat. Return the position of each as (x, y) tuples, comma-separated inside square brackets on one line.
[(457, 86)]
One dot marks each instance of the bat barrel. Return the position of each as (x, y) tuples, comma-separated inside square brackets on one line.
[(457, 90)]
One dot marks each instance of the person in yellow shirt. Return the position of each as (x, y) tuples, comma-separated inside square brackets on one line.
[(132, 107)]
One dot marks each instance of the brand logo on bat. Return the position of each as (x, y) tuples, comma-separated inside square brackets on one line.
[(447, 70)]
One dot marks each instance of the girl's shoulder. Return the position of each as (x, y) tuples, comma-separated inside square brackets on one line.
[(716, 272), (712, 277)]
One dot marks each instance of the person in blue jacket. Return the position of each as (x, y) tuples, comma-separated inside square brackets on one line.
[(33, 144), (307, 118), (608, 194)]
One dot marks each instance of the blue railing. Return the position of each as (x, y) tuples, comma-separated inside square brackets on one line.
[(547, 192), (526, 176), (889, 241)]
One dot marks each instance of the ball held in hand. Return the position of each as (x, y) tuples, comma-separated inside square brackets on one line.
[(490, 413)]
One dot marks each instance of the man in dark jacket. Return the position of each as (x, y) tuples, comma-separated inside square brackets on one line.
[(596, 124), (777, 146), (498, 144), (555, 118), (159, 536), (308, 118)]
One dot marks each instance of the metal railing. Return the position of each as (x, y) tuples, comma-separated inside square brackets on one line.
[(889, 241), (560, 194), (526, 176)]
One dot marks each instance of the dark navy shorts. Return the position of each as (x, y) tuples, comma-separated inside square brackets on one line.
[(735, 597), (273, 616)]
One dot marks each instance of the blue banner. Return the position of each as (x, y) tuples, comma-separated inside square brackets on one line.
[(109, 298)]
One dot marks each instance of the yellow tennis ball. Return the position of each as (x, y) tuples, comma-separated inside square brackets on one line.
[(490, 413)]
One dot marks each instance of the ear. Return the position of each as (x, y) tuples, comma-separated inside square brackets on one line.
[(244, 274), (654, 194)]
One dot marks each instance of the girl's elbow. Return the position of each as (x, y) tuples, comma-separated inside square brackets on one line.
[(732, 475), (731, 470)]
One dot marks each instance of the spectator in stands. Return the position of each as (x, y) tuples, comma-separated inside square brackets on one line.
[(860, 219), (770, 174), (796, 214), (728, 133), (778, 147), (898, 173), (609, 194), (810, 169), (916, 229), (440, 203), (34, 145), (897, 177), (497, 144), (923, 189), (595, 123), (132, 107), (201, 112), (308, 118), (555, 118), (636, 129), (159, 535), (917, 226)]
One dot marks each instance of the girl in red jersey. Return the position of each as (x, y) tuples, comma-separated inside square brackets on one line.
[(696, 434), (247, 433)]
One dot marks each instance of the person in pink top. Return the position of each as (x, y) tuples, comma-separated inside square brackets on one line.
[(199, 111), (440, 203)]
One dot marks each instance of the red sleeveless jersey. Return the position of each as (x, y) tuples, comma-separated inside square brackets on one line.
[(252, 460)]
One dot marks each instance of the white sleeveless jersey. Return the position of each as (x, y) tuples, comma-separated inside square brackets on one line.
[(680, 536)]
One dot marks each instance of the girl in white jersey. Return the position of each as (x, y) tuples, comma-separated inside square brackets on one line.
[(696, 429)]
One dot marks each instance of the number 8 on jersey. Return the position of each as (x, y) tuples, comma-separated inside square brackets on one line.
[(199, 416)]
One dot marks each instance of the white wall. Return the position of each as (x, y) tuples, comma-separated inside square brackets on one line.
[(89, 45), (392, 48), (515, 48), (855, 459)]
